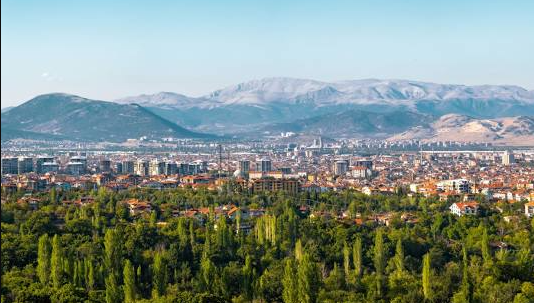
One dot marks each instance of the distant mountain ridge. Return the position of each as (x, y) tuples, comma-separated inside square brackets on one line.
[(354, 124), (76, 118), (510, 130), (279, 100)]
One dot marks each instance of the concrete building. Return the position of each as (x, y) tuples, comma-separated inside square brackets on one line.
[(142, 168), (105, 166), (10, 166), (127, 167), (157, 168), (464, 208), (508, 158), (456, 185), (25, 165), (171, 168), (341, 167), (39, 163), (75, 168), (265, 165), (244, 167), (49, 167)]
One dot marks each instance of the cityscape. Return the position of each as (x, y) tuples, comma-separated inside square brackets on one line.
[(149, 155)]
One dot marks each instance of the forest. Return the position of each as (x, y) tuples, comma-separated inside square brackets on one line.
[(299, 250)]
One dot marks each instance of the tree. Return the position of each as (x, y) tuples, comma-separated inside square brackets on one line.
[(248, 278), (112, 253), (426, 277), (207, 273), (53, 196), (289, 282), (399, 256), (484, 247), (298, 250), (56, 263), (43, 259), (379, 260), (346, 260), (129, 282), (159, 275), (113, 293), (357, 257), (308, 280)]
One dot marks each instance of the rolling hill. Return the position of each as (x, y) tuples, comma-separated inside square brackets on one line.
[(76, 118)]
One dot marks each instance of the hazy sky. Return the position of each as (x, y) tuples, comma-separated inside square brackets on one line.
[(110, 49)]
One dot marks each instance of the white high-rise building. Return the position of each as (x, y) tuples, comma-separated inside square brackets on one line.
[(508, 158)]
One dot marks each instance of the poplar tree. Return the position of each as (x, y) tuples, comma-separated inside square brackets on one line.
[(43, 259), (426, 277), (399, 256), (129, 282), (346, 260), (248, 277), (298, 250), (289, 282), (484, 243), (379, 260), (113, 293), (56, 263), (112, 252), (159, 275), (308, 280), (357, 256)]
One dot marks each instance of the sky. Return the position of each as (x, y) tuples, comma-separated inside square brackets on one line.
[(111, 49)]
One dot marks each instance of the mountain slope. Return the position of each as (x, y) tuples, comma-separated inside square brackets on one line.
[(511, 130), (78, 118), (354, 124), (279, 100)]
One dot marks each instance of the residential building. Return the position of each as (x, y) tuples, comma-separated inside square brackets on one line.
[(464, 208)]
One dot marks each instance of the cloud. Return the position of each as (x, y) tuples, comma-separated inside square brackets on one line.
[(49, 77)]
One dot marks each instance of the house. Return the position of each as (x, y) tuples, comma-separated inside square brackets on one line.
[(137, 207), (529, 209), (464, 208)]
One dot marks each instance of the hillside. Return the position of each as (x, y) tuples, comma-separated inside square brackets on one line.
[(77, 118), (280, 100), (354, 124), (510, 131)]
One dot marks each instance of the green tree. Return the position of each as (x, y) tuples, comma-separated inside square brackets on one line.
[(308, 279), (426, 277), (113, 293), (357, 257), (159, 275), (485, 249), (56, 263), (379, 260), (248, 278), (43, 259), (399, 256), (130, 290), (298, 250), (289, 282), (346, 260), (112, 252)]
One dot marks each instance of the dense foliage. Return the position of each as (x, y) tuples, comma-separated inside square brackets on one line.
[(101, 253)]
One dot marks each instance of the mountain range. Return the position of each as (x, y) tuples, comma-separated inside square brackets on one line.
[(396, 109), (277, 100)]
